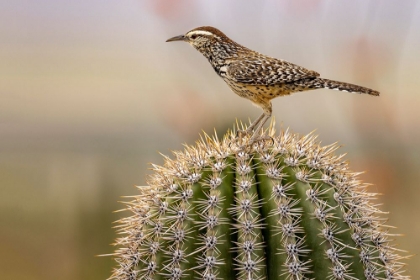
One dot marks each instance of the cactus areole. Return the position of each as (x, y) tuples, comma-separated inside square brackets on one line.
[(281, 208)]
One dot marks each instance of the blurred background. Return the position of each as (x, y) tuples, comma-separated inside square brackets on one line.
[(90, 93)]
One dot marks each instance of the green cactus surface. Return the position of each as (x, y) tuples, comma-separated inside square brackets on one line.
[(283, 207)]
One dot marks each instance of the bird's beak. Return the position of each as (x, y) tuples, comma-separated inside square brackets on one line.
[(177, 38)]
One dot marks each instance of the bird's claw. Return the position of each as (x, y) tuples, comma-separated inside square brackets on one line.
[(241, 133), (261, 138), (240, 143)]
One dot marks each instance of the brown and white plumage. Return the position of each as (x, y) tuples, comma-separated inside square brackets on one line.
[(255, 76)]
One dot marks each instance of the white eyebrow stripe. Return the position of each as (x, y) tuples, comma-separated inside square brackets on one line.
[(200, 32)]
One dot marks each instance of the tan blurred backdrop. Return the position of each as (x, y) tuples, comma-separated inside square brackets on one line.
[(90, 93)]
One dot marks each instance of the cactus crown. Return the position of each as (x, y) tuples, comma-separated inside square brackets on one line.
[(282, 208)]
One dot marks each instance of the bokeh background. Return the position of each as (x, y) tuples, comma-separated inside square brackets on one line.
[(90, 93)]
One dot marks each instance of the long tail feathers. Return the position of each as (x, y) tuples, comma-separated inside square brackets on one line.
[(336, 85)]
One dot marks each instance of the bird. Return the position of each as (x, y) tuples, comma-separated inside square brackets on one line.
[(255, 76)]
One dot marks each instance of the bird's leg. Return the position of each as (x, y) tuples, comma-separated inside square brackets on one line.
[(264, 117), (255, 123), (257, 131), (252, 126)]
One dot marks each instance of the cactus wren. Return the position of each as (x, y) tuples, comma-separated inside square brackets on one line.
[(255, 76)]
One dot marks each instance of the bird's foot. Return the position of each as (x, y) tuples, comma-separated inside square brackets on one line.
[(242, 140), (239, 144), (247, 139), (260, 139), (241, 133)]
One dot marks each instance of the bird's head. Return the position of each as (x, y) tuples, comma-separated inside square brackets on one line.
[(202, 38)]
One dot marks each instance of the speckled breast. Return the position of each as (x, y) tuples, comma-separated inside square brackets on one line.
[(264, 92)]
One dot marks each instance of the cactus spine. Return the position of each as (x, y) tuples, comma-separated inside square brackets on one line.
[(282, 208)]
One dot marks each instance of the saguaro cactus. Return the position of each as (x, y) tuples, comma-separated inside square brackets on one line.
[(281, 208)]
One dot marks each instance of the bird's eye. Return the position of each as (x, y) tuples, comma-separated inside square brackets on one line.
[(194, 36)]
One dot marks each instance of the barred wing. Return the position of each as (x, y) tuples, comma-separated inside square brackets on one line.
[(262, 70)]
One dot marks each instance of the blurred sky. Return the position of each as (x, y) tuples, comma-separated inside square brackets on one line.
[(90, 93)]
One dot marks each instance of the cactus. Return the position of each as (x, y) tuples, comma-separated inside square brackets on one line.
[(282, 208)]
